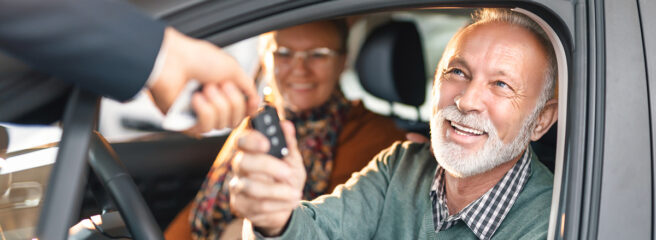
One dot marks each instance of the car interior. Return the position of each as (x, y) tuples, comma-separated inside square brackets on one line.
[(392, 62)]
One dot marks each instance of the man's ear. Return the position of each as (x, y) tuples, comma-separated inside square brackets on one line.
[(546, 119)]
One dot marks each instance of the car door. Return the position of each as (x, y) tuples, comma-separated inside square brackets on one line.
[(603, 175)]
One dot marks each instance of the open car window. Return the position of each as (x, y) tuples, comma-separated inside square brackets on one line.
[(436, 26)]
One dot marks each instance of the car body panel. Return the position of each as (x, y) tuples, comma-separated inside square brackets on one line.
[(626, 177), (647, 20)]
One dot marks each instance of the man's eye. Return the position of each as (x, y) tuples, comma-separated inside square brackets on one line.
[(455, 71), (501, 84)]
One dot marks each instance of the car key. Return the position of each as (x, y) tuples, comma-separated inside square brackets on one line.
[(268, 123)]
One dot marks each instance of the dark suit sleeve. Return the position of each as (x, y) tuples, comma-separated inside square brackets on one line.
[(105, 46)]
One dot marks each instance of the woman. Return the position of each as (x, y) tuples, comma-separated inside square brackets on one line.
[(336, 137)]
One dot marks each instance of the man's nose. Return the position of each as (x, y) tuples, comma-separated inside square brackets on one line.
[(471, 99)]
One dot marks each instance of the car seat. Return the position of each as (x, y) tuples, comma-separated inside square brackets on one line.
[(390, 66)]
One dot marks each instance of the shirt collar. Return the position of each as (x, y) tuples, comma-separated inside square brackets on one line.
[(485, 214)]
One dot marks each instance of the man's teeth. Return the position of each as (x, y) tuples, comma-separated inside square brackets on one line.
[(466, 129)]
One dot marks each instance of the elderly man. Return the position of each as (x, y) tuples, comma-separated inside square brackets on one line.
[(493, 93)]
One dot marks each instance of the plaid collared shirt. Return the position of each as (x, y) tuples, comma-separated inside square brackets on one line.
[(485, 214)]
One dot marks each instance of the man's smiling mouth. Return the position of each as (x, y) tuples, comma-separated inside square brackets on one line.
[(464, 130)]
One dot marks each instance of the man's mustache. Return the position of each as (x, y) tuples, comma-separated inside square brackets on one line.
[(471, 120)]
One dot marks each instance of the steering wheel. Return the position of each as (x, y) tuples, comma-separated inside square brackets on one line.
[(122, 190)]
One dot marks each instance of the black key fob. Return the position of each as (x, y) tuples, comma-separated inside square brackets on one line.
[(268, 123)]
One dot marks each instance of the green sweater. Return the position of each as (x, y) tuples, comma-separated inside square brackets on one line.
[(390, 199)]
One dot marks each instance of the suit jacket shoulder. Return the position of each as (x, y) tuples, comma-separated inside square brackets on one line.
[(107, 47)]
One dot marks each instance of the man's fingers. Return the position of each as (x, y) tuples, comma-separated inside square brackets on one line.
[(259, 190), (205, 112), (226, 107), (236, 101), (290, 136), (261, 178), (208, 64), (247, 206), (253, 103), (246, 164), (220, 104), (215, 66), (253, 141)]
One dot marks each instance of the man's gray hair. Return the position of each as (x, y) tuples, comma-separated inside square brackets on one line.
[(504, 15)]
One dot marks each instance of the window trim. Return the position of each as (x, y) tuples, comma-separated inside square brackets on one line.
[(561, 60)]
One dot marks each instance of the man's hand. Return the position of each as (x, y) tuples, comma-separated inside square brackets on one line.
[(222, 103), (265, 189)]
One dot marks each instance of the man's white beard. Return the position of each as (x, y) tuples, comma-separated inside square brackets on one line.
[(461, 162)]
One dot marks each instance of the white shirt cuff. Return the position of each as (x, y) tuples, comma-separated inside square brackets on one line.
[(157, 67)]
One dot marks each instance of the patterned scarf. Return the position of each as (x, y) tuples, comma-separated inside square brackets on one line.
[(317, 131)]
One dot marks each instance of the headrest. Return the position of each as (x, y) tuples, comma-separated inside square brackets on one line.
[(390, 64)]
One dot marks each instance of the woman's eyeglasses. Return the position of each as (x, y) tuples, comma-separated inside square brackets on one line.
[(312, 56)]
